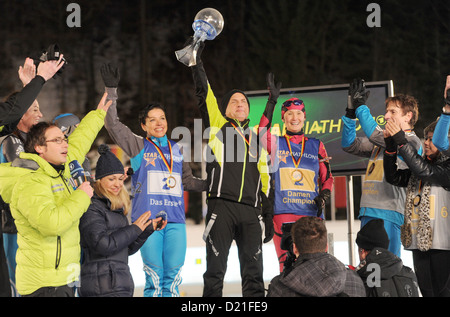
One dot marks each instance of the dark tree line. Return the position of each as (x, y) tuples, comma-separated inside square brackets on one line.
[(305, 43)]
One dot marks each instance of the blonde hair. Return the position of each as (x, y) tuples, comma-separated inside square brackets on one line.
[(120, 201)]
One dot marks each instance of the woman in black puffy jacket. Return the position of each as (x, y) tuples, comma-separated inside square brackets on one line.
[(107, 238), (426, 226)]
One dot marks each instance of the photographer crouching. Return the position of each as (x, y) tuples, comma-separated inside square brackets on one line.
[(314, 272)]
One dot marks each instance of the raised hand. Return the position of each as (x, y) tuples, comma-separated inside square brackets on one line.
[(27, 72), (357, 94), (110, 74), (48, 69), (102, 105), (274, 90)]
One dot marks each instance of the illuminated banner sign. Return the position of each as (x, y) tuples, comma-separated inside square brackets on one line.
[(325, 106)]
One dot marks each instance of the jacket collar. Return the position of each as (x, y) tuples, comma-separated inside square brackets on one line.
[(242, 124), (46, 167), (107, 202)]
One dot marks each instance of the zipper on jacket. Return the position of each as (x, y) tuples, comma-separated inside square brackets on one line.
[(58, 238), (212, 179), (245, 162), (65, 184), (243, 174), (58, 252)]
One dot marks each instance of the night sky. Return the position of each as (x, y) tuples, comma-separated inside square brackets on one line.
[(305, 43)]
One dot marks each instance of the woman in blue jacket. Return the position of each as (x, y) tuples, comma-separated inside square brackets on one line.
[(160, 178), (107, 238)]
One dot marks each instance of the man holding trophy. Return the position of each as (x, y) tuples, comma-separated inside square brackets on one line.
[(237, 173)]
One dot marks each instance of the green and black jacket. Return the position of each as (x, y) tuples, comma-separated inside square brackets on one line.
[(237, 165)]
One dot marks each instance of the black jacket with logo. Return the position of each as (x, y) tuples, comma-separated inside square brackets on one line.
[(384, 275), (236, 165)]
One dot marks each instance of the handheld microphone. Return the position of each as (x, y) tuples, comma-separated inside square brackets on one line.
[(77, 173)]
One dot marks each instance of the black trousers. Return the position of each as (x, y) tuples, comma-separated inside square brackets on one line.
[(239, 222), (60, 291), (432, 269)]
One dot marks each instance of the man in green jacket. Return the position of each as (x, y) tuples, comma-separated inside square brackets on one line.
[(46, 208)]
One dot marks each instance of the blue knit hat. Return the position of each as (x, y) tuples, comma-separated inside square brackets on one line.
[(66, 122), (107, 163)]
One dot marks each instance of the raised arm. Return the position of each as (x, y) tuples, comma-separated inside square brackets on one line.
[(357, 97), (441, 132), (207, 102), (352, 144), (14, 107), (121, 135), (267, 139), (201, 86), (81, 140)]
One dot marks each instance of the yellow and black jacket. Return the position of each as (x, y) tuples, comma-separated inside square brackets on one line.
[(236, 163), (47, 210)]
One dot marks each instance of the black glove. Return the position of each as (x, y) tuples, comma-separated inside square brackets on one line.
[(447, 99), (267, 214), (274, 90), (201, 46), (357, 96), (110, 74), (391, 146), (321, 199), (400, 138), (268, 228)]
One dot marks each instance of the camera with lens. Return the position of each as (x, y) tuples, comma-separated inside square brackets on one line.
[(287, 245), (52, 53)]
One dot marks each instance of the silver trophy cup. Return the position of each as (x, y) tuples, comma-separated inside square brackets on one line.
[(208, 23)]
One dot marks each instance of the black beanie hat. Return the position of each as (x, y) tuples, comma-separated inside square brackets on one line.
[(107, 163), (373, 235), (226, 99)]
